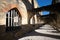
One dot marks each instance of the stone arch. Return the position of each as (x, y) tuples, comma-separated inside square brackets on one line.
[(13, 19), (19, 14), (23, 10), (20, 6), (33, 19), (7, 5), (4, 8), (37, 18), (14, 7)]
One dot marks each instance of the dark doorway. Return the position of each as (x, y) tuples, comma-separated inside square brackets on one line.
[(13, 20)]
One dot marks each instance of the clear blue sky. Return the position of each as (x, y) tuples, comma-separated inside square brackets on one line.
[(44, 3)]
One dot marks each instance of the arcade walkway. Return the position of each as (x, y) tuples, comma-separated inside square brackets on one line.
[(45, 32)]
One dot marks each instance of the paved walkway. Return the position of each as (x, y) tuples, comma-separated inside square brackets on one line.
[(45, 32)]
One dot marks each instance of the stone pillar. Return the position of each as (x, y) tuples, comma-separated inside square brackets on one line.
[(2, 18), (32, 20), (23, 11), (35, 19)]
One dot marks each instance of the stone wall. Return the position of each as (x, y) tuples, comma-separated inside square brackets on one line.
[(22, 5)]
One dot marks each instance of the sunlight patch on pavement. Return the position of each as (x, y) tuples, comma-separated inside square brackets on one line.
[(41, 34), (37, 38), (47, 29)]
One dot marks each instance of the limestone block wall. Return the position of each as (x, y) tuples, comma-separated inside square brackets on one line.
[(22, 5), (6, 5), (2, 18)]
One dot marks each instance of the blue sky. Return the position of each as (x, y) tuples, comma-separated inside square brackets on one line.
[(44, 3)]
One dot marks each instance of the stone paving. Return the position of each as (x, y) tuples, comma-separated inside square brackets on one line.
[(45, 32)]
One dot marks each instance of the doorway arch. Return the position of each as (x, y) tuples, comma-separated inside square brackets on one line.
[(32, 20), (13, 20)]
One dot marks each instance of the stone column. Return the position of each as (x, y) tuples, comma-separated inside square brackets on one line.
[(2, 18), (23, 12)]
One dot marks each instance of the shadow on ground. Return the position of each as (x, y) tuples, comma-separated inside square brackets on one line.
[(42, 34)]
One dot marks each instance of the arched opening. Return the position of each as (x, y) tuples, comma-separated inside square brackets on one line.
[(13, 20), (32, 20)]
